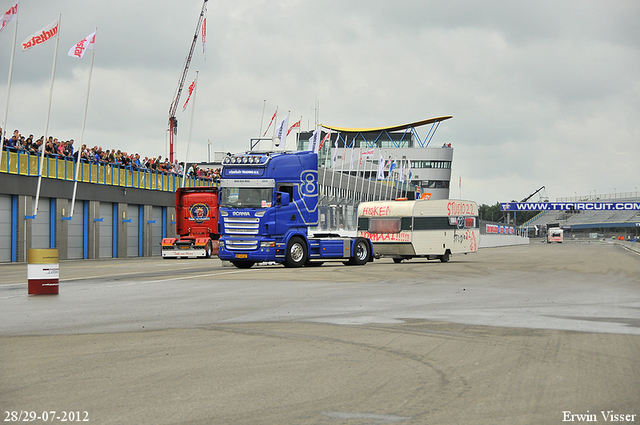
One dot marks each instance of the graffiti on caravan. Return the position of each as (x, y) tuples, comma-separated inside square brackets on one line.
[(386, 237)]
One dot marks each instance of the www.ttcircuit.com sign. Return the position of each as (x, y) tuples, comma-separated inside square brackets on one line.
[(570, 206)]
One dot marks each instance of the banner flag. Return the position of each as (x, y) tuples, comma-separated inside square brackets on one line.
[(324, 139), (380, 175), (192, 87), (352, 157), (294, 125), (271, 122), (313, 141), (401, 171), (42, 36), (393, 166), (81, 47), (204, 35), (11, 15), (281, 136), (335, 151)]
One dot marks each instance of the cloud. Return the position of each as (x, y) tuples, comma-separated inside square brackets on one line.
[(542, 93)]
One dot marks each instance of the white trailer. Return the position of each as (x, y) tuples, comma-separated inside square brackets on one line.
[(555, 234), (403, 229)]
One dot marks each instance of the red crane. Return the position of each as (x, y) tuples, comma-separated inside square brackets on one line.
[(173, 122)]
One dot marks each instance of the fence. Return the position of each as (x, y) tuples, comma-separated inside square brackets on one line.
[(25, 164)]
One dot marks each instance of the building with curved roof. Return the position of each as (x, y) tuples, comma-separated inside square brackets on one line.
[(357, 151)]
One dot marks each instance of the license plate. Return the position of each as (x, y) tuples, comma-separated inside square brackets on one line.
[(241, 256)]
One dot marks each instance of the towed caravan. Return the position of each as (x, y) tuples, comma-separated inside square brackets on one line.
[(403, 229)]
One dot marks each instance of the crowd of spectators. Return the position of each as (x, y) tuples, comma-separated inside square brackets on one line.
[(54, 148)]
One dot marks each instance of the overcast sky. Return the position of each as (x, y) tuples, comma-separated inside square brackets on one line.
[(541, 93)]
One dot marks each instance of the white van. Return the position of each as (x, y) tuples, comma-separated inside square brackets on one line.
[(555, 234), (403, 229)]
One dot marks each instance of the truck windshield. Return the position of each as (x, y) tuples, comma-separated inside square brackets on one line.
[(246, 197)]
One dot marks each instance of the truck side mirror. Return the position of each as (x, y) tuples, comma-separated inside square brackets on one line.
[(282, 199)]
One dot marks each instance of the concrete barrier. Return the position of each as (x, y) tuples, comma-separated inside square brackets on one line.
[(493, 241)]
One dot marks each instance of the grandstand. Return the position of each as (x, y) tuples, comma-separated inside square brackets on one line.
[(582, 223)]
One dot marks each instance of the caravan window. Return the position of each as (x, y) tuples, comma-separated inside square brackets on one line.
[(385, 225)]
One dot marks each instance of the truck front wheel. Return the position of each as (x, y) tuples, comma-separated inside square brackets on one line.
[(296, 253)]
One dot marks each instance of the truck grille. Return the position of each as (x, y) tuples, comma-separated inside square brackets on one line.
[(241, 244), (241, 225)]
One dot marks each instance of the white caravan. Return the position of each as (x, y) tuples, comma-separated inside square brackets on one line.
[(403, 229)]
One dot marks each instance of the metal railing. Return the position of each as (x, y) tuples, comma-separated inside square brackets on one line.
[(25, 164)]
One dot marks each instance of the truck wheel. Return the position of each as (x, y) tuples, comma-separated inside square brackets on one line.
[(397, 260), (296, 255), (243, 264), (360, 252)]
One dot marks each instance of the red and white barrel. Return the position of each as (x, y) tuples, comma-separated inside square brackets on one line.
[(43, 271)]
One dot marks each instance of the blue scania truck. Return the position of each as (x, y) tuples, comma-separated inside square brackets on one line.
[(268, 202)]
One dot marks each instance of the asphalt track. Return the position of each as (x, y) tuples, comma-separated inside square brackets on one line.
[(534, 334)]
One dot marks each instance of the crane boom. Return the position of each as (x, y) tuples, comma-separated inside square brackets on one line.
[(531, 196), (173, 122)]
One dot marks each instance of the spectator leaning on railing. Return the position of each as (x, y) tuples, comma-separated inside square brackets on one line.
[(54, 148)]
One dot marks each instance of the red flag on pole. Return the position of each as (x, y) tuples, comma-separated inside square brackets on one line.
[(294, 125), (192, 86), (271, 122), (11, 15), (204, 35), (324, 139)]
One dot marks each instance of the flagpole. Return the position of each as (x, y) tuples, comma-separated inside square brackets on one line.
[(274, 131), (326, 153), (355, 184), (383, 179), (84, 121), (365, 172), (333, 163), (298, 135), (193, 108), (264, 104), (6, 108), (46, 126), (344, 153)]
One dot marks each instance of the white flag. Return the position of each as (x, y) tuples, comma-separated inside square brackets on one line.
[(352, 156), (380, 175), (281, 132), (313, 141), (335, 151), (78, 50), (42, 36), (11, 15), (401, 171)]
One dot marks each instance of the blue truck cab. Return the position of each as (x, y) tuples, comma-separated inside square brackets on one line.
[(268, 202)]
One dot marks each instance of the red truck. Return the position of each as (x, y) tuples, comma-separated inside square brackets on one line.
[(196, 224)]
